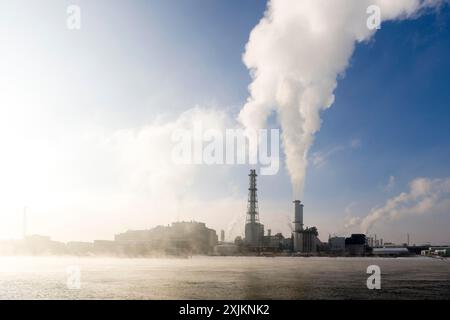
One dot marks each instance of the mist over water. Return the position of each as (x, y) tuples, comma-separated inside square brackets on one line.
[(223, 278)]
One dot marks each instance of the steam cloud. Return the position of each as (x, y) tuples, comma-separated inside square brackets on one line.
[(296, 54), (425, 196)]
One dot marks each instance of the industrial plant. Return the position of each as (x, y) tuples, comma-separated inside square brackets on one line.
[(187, 238), (302, 240)]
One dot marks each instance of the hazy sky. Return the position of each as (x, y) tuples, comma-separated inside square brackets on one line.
[(86, 118)]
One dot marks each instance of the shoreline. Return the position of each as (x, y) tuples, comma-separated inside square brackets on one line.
[(169, 257)]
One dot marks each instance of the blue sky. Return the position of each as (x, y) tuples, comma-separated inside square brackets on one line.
[(186, 53), (144, 60), (394, 99)]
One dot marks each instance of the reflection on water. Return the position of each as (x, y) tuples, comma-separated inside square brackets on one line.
[(223, 278)]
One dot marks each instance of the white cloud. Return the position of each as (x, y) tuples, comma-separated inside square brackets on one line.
[(320, 158), (425, 196), (349, 208), (390, 184)]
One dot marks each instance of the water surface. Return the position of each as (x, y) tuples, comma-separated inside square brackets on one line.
[(223, 278)]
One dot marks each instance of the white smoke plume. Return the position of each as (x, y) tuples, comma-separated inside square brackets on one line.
[(425, 196), (296, 54)]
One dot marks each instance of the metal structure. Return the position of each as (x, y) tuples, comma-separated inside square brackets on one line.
[(254, 230), (252, 205)]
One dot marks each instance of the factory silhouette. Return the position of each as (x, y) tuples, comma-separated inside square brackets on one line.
[(184, 239), (303, 240)]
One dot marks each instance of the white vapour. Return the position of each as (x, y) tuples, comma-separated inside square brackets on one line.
[(425, 196), (295, 55)]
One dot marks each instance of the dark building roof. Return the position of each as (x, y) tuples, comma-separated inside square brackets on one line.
[(356, 239)]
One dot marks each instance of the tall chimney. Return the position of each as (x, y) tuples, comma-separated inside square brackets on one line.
[(298, 214)]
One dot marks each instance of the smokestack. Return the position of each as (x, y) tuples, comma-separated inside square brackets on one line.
[(222, 236), (269, 232), (298, 214)]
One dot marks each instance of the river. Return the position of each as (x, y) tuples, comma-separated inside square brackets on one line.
[(221, 278)]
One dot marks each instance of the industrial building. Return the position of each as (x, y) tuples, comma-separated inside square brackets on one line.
[(32, 245), (336, 245), (79, 248), (373, 242), (226, 249), (304, 240), (436, 251), (390, 252), (179, 238), (276, 242), (355, 245)]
